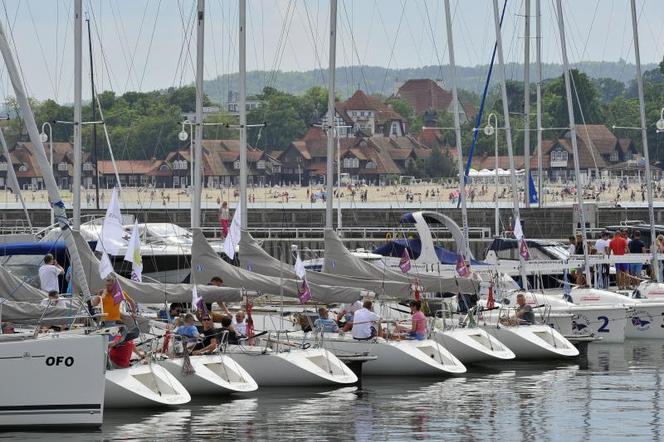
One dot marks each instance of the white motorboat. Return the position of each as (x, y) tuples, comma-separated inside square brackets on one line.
[(472, 345), (291, 366), (644, 316), (144, 385), (395, 358), (212, 374), (536, 341), (51, 381)]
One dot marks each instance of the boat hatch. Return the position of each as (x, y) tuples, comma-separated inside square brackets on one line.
[(155, 383), (434, 353), (326, 364), (550, 339), (484, 341)]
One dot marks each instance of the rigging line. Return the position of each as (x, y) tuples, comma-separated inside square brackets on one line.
[(433, 39), (369, 33), (109, 72), (154, 28), (120, 39), (466, 41), (186, 37), (133, 53), (253, 37), (60, 67), (41, 48), (216, 81), (354, 46), (417, 46), (283, 40), (314, 43), (279, 42)]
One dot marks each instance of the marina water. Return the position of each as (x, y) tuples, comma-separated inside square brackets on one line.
[(615, 394)]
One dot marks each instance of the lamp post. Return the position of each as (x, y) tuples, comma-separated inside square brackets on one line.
[(44, 138), (489, 130), (183, 136)]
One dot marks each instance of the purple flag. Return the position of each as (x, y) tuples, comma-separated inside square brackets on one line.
[(523, 249), (461, 268), (118, 296), (404, 264), (305, 294)]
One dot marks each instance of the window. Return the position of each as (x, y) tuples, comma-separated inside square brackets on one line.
[(3, 166), (614, 156), (180, 165), (87, 167), (23, 168), (260, 164), (132, 180), (276, 168), (176, 181), (371, 165), (362, 114), (62, 166), (559, 155), (236, 164), (163, 168), (351, 163), (145, 179)]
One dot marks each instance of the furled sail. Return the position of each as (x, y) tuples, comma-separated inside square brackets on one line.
[(28, 312), (151, 293), (14, 288)]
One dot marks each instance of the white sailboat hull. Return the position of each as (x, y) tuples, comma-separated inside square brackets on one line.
[(52, 381), (297, 367), (144, 385), (471, 345), (213, 374), (534, 341), (398, 358)]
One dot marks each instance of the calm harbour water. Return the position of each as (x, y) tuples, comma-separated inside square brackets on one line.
[(615, 395)]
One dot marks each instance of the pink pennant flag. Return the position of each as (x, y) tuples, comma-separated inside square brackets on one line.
[(305, 294), (461, 267), (404, 264), (118, 296), (523, 249)]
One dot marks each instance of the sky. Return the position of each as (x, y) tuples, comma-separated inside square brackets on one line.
[(150, 44)]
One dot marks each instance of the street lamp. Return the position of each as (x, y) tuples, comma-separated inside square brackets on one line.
[(489, 130), (44, 138), (660, 122)]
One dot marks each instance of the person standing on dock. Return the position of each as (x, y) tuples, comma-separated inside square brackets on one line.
[(618, 247), (602, 247), (224, 217)]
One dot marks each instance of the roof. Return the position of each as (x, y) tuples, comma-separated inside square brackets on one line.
[(23, 153), (128, 167), (424, 94), (599, 136), (361, 101)]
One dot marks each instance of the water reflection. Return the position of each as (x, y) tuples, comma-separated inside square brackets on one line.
[(616, 395)]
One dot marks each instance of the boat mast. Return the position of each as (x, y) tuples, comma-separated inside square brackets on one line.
[(331, 120), (508, 131), (575, 147), (526, 105), (243, 112), (197, 162), (94, 116), (78, 54), (538, 87), (644, 140), (11, 177), (40, 155), (457, 130)]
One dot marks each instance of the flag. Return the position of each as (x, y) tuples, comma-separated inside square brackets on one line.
[(518, 230), (305, 294), (133, 254), (490, 300), (249, 307), (198, 303), (461, 267), (112, 232), (233, 238), (523, 249), (105, 266), (532, 193), (118, 296), (299, 267), (404, 264)]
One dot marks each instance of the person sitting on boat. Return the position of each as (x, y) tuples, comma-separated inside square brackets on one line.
[(111, 305), (365, 325), (324, 323), (53, 300), (173, 313), (187, 330), (524, 312), (227, 332), (49, 273), (238, 320), (418, 328), (120, 351), (347, 313), (210, 338)]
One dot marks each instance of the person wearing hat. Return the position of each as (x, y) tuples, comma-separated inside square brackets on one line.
[(49, 273)]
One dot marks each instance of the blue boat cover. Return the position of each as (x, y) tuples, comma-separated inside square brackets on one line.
[(395, 249)]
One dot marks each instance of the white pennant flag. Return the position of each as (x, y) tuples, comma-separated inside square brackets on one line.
[(299, 267), (518, 231), (105, 266), (234, 233), (112, 232), (133, 254), (194, 297)]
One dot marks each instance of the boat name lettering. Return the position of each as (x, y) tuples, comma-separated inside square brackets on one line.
[(67, 361)]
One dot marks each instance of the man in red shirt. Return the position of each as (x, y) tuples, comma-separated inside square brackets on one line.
[(119, 352), (618, 247)]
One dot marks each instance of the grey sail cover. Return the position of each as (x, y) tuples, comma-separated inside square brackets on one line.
[(205, 264), (148, 292), (339, 260), (28, 312), (255, 259), (15, 289)]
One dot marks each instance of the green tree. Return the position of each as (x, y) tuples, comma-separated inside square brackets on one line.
[(281, 114), (585, 100), (608, 88)]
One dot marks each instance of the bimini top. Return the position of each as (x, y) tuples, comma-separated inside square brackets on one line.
[(414, 246)]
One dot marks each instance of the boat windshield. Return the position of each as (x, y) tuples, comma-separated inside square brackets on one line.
[(165, 232)]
